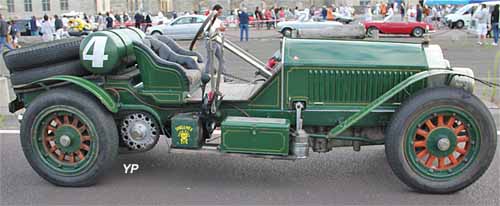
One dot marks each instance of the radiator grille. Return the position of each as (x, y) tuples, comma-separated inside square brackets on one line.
[(355, 86)]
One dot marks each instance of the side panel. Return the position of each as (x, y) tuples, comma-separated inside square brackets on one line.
[(344, 86), (348, 73)]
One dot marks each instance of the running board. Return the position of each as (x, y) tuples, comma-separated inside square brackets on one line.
[(212, 149)]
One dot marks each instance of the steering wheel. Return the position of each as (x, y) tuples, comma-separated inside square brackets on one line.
[(209, 21)]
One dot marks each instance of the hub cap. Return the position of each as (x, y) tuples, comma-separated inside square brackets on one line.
[(442, 143)]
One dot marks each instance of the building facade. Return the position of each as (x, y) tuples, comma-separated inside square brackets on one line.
[(27, 8)]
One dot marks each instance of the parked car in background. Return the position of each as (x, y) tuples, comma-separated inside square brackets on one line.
[(462, 18), (23, 25), (342, 18), (286, 27), (183, 27), (414, 29)]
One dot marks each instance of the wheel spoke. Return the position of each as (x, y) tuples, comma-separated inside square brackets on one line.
[(61, 156), (422, 133), (50, 128), (430, 160), (459, 128), (451, 121), (462, 138), (430, 125), (75, 122), (85, 138), (80, 155), (72, 158), (58, 121), (53, 149), (48, 139), (66, 119), (82, 129), (453, 160), (441, 163), (420, 144), (440, 120), (460, 150), (422, 154), (84, 147)]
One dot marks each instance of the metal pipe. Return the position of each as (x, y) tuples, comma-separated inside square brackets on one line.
[(252, 60)]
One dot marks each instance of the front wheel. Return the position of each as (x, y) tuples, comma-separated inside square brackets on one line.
[(68, 137), (441, 140), (418, 32)]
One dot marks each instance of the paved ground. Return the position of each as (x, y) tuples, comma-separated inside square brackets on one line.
[(339, 177)]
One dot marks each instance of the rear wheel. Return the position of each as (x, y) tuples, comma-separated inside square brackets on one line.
[(287, 32), (418, 32), (441, 140), (68, 137)]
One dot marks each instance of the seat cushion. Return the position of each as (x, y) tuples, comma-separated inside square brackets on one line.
[(168, 54), (178, 49), (194, 76)]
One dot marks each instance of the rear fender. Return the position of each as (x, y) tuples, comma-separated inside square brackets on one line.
[(101, 94)]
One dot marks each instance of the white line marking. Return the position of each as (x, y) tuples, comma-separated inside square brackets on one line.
[(9, 132), (498, 132)]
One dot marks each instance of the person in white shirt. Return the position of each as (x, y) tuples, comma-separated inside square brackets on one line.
[(217, 27), (481, 15), (390, 14), (47, 29)]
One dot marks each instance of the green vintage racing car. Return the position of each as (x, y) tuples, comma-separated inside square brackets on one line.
[(88, 98)]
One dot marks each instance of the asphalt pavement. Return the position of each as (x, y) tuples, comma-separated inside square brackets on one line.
[(340, 177)]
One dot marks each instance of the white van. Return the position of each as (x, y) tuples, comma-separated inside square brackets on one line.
[(463, 16)]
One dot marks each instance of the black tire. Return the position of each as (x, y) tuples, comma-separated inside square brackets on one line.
[(106, 135), (42, 54), (370, 30), (417, 32), (421, 103), (65, 68), (459, 24), (156, 33), (287, 32)]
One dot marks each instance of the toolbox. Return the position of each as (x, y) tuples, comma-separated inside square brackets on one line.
[(255, 135), (186, 131)]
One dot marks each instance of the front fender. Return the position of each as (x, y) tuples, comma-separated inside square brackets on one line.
[(105, 98)]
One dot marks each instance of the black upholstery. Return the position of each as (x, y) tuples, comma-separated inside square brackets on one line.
[(168, 54), (177, 48), (193, 76)]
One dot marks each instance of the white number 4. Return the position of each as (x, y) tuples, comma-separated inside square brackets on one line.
[(97, 57)]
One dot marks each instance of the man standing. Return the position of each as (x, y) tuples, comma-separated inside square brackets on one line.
[(482, 20), (33, 26), (244, 20), (138, 20), (494, 24), (419, 13), (109, 21), (4, 31), (58, 25)]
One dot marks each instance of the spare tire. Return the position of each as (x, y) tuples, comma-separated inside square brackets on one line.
[(42, 54), (65, 68)]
